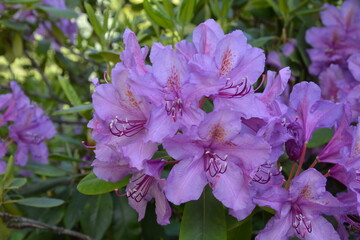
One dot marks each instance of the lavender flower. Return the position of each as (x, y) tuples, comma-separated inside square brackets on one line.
[(215, 153), (299, 210)]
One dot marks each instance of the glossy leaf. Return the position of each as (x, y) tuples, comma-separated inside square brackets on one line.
[(97, 215), (186, 11), (94, 21), (45, 170), (157, 17), (17, 183), (58, 12), (91, 185), (125, 220), (40, 202), (14, 25), (204, 219), (75, 209), (76, 109), (320, 137)]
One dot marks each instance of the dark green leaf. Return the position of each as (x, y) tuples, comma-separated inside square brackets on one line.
[(125, 221), (45, 169), (75, 209), (236, 228), (68, 139), (17, 183), (186, 11), (41, 202), (320, 137), (91, 185), (14, 25), (260, 42), (94, 21), (204, 219), (9, 173), (110, 56), (76, 109), (60, 157), (69, 91), (97, 215), (157, 17), (58, 12)]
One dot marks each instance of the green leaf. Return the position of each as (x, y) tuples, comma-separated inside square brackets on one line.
[(17, 183), (9, 173), (204, 219), (14, 25), (124, 223), (186, 12), (320, 137), (45, 185), (169, 8), (309, 11), (45, 169), (17, 46), (21, 1), (94, 21), (260, 42), (91, 185), (75, 209), (157, 17), (76, 109), (236, 228), (61, 157), (58, 12), (97, 215), (110, 56), (69, 91), (68, 139), (40, 202)]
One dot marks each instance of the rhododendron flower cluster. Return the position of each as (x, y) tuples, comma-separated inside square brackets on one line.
[(28, 128), (234, 147), (335, 56), (44, 28)]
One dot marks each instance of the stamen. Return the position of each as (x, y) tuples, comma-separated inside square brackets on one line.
[(174, 108), (300, 222), (87, 146), (265, 172), (141, 187), (117, 193), (126, 127), (214, 164), (105, 74)]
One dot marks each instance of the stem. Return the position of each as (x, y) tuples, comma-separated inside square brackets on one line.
[(315, 162), (302, 159), (291, 175), (22, 222)]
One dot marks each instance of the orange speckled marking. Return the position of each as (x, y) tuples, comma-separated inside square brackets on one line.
[(226, 62), (217, 133)]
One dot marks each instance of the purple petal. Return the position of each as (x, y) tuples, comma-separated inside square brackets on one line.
[(232, 189), (161, 125), (186, 181), (278, 228), (187, 49), (133, 57), (163, 210), (220, 126), (275, 86), (138, 151), (39, 153), (140, 207), (182, 147), (21, 155), (206, 37), (3, 167), (354, 65), (321, 229)]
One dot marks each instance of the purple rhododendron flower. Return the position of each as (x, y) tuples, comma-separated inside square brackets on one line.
[(30, 128), (122, 118), (215, 153), (307, 113), (299, 210), (145, 185)]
